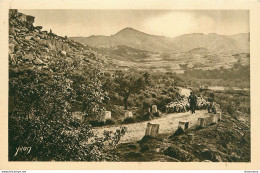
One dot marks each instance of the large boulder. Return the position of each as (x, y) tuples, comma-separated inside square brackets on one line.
[(30, 19)]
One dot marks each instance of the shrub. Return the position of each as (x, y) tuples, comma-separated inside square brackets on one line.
[(109, 122), (154, 95), (171, 89), (147, 116), (177, 153), (156, 114), (178, 132), (146, 104), (96, 123), (128, 120), (144, 148)]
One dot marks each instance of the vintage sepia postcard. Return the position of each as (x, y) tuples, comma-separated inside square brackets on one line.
[(121, 85)]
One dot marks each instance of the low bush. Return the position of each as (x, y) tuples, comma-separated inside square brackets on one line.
[(109, 122), (95, 123), (156, 114), (147, 116), (128, 120)]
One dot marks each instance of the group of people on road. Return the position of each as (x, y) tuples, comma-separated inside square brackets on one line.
[(192, 99)]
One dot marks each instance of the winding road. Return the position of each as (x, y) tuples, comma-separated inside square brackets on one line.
[(168, 124)]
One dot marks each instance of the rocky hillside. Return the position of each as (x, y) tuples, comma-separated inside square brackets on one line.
[(130, 37), (30, 46)]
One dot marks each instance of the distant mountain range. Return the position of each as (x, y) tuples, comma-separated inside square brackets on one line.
[(219, 44)]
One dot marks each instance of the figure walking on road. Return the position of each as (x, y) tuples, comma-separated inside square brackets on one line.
[(193, 102)]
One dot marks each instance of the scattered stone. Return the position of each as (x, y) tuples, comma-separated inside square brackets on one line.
[(28, 57), (24, 30), (45, 49), (17, 30), (37, 61), (63, 53), (157, 150), (28, 38)]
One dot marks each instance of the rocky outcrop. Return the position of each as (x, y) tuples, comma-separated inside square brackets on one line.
[(28, 44)]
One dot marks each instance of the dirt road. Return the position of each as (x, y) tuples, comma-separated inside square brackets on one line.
[(168, 124)]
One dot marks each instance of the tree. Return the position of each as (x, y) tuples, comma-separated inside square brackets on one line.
[(89, 91), (40, 113), (127, 84)]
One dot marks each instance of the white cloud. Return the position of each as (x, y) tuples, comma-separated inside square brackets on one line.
[(157, 22), (178, 23)]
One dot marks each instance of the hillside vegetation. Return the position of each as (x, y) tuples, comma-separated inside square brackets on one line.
[(59, 89)]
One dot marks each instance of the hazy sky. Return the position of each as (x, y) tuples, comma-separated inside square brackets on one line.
[(170, 23)]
